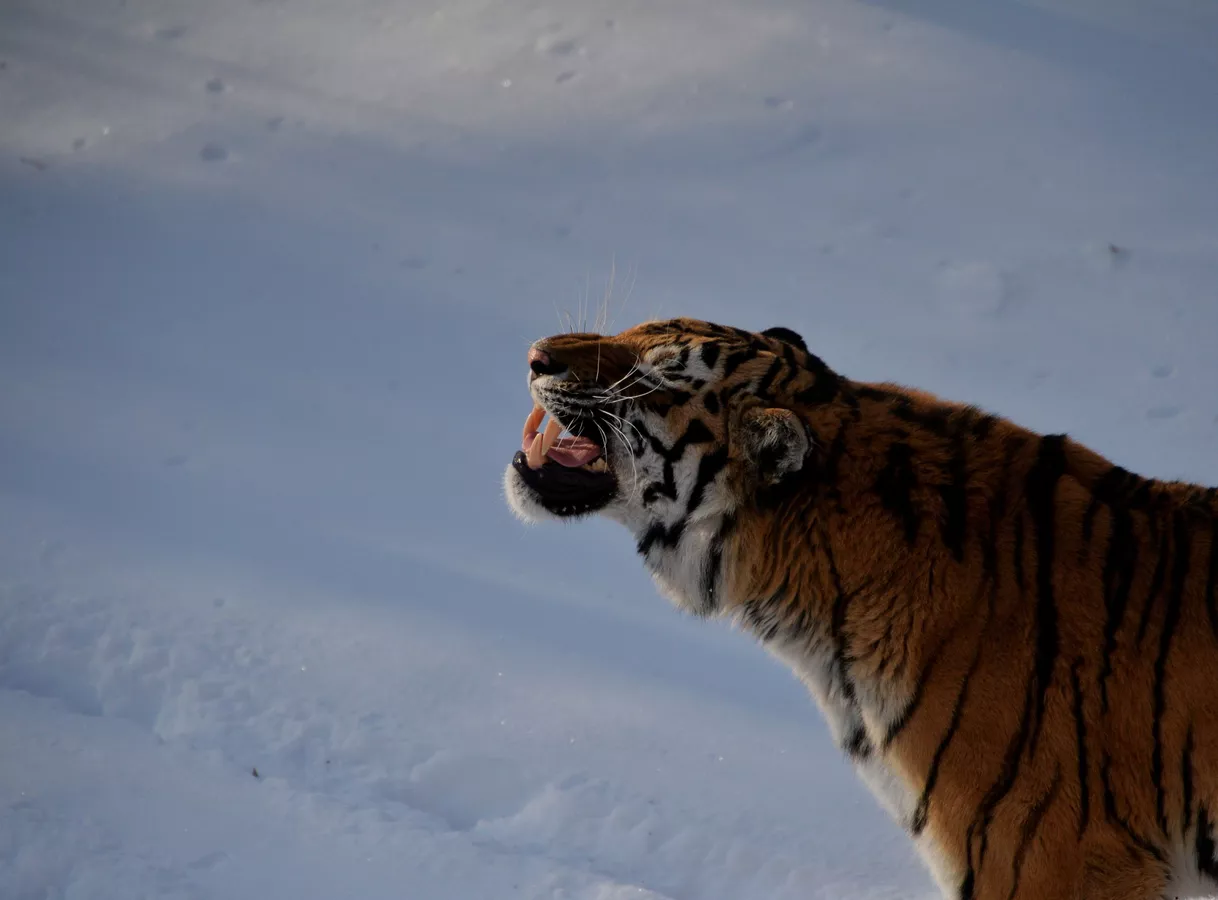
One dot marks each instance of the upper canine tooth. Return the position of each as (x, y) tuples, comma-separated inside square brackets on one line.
[(531, 423), (553, 429)]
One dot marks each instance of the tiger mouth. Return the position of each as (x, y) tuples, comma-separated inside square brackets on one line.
[(570, 475)]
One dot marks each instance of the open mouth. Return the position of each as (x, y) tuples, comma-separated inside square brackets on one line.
[(569, 475)]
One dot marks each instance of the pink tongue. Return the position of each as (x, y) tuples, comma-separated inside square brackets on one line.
[(567, 451)]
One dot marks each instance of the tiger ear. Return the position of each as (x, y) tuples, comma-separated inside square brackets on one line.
[(787, 336), (774, 442)]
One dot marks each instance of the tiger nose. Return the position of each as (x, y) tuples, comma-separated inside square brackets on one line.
[(542, 364)]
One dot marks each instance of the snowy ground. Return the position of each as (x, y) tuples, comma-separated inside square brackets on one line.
[(268, 270)]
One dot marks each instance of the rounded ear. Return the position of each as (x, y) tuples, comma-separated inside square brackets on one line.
[(787, 336), (775, 443)]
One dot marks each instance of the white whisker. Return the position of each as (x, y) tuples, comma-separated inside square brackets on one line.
[(622, 395), (626, 422), (629, 290), (634, 368), (602, 316), (634, 466)]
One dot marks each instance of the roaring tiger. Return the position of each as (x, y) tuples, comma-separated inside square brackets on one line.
[(1014, 640)]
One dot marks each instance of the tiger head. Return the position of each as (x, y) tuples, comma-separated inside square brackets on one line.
[(675, 429)]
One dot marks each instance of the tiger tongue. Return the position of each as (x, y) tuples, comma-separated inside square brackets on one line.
[(571, 452)]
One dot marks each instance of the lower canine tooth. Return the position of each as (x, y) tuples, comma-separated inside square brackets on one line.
[(536, 455)]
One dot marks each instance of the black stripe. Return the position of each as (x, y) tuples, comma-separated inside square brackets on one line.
[(995, 795), (1031, 823), (955, 500), (696, 433), (1156, 580), (1113, 815), (710, 354), (1080, 734), (837, 622), (895, 485), (1175, 598), (1018, 551), (1093, 507), (983, 426), (905, 654), (1204, 844), (1115, 486), (898, 725), (1041, 486), (1186, 782), (660, 533), (932, 775), (708, 467), (714, 560), (1103, 493), (760, 614), (734, 360), (857, 746), (732, 389), (763, 388), (711, 402), (935, 419), (998, 509), (1119, 567), (1211, 581), (867, 392), (655, 490), (833, 459), (825, 385), (793, 367), (824, 389)]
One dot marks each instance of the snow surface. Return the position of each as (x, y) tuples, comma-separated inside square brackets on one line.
[(268, 270)]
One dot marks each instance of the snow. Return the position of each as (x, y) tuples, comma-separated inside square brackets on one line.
[(267, 275)]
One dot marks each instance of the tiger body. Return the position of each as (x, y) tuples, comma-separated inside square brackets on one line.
[(1014, 640)]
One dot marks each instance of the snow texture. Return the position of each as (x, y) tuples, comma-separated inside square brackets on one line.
[(268, 271)]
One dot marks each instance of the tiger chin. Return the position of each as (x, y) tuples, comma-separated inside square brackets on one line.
[(1014, 640)]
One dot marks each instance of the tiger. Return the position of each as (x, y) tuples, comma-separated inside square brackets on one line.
[(1012, 639)]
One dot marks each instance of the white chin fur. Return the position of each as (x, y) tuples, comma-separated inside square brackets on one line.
[(523, 501)]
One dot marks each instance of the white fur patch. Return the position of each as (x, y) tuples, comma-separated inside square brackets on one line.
[(522, 500), (1186, 881), (815, 669)]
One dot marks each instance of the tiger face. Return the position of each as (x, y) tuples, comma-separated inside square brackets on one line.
[(670, 426)]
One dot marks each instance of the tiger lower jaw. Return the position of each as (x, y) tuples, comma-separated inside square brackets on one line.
[(554, 492)]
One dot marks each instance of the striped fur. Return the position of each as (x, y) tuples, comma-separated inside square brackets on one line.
[(1014, 640)]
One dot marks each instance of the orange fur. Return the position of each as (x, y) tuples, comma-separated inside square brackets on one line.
[(1043, 622)]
